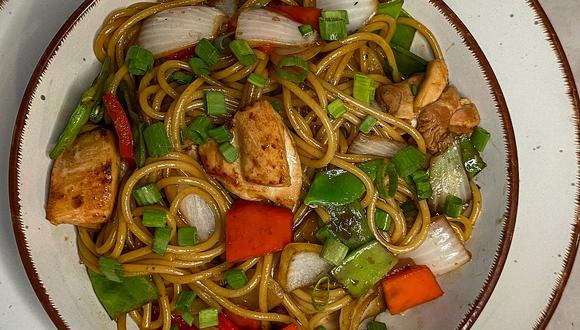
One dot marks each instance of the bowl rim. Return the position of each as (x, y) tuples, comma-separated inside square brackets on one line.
[(510, 146)]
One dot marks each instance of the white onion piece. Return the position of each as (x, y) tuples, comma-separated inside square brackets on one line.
[(178, 28), (199, 215), (263, 27), (383, 317), (364, 144), (442, 251), (447, 176), (359, 11), (227, 6), (304, 269)]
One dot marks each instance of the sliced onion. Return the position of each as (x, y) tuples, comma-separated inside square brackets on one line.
[(383, 317), (359, 11), (447, 176), (305, 269), (227, 6), (442, 251), (261, 27), (365, 144), (198, 214), (179, 28)]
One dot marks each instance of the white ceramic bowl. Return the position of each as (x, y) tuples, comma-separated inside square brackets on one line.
[(49, 253)]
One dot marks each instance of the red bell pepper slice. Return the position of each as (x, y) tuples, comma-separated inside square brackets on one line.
[(181, 54), (226, 324), (254, 229), (291, 326), (304, 15), (242, 322), (122, 127)]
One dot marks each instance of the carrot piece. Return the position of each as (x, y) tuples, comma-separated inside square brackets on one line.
[(291, 326), (254, 229), (410, 287)]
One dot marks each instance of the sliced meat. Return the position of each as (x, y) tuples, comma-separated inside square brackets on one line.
[(261, 138), (433, 121), (234, 178), (465, 119), (397, 99), (432, 86), (84, 181)]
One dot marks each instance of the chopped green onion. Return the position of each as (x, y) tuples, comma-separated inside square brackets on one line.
[(306, 30), (408, 63), (409, 210), (333, 251), (479, 138), (154, 218), (332, 29), (323, 233), (215, 103), (408, 160), (424, 190), (207, 52), (243, 52), (221, 134), (187, 317), (198, 130), (414, 90), (367, 124), (393, 180), (208, 318), (148, 194), (320, 328), (335, 14), (156, 140), (382, 220), (472, 161), (181, 78), (236, 278), (404, 34), (375, 325), (453, 206), (391, 8), (380, 181), (111, 269), (336, 108), (257, 80), (276, 104), (293, 68), (420, 176), (187, 236), (364, 88), (139, 60), (229, 152), (198, 66), (222, 42), (184, 300), (161, 240), (321, 297)]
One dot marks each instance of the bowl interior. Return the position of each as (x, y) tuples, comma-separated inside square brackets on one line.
[(69, 65)]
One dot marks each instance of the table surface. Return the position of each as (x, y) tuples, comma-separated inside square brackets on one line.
[(18, 302)]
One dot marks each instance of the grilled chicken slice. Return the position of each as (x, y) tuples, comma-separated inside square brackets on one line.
[(433, 85), (268, 167), (84, 181), (398, 100)]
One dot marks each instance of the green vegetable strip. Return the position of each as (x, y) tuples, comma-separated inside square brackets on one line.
[(374, 325), (364, 88), (243, 52), (148, 194), (161, 240), (335, 14), (479, 138), (408, 160), (393, 180), (154, 218), (187, 317), (207, 52), (276, 104), (181, 78), (229, 152), (332, 29), (236, 278), (336, 108), (382, 220), (184, 300), (198, 130), (198, 66), (187, 236), (156, 140), (380, 181), (139, 143), (97, 114), (408, 63), (404, 34), (215, 103), (293, 68), (111, 269), (323, 233), (257, 80), (453, 206), (333, 251), (221, 134), (222, 42), (367, 124), (306, 30), (208, 318), (472, 161), (139, 60), (391, 8), (409, 209)]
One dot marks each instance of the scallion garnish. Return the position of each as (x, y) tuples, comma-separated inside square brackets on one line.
[(187, 317), (148, 194), (408, 160), (161, 240), (198, 130), (208, 318), (409, 209), (422, 185), (393, 180), (364, 88), (181, 78), (229, 152), (215, 103), (332, 29), (184, 300), (257, 80), (453, 206), (276, 104), (243, 52), (187, 236), (207, 52), (333, 251), (335, 14), (382, 220), (306, 30), (221, 134), (236, 278), (293, 68), (367, 124), (472, 161), (156, 140), (375, 325), (139, 60), (391, 8), (222, 42), (336, 108), (111, 269), (414, 90), (323, 233), (156, 218), (479, 138), (198, 66)]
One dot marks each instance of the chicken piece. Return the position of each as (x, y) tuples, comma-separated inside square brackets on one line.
[(465, 119), (84, 181), (432, 86), (397, 99), (242, 179)]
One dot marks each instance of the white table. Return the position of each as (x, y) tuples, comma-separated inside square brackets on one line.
[(19, 307)]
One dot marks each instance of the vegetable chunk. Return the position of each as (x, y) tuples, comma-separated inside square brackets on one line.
[(411, 287)]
